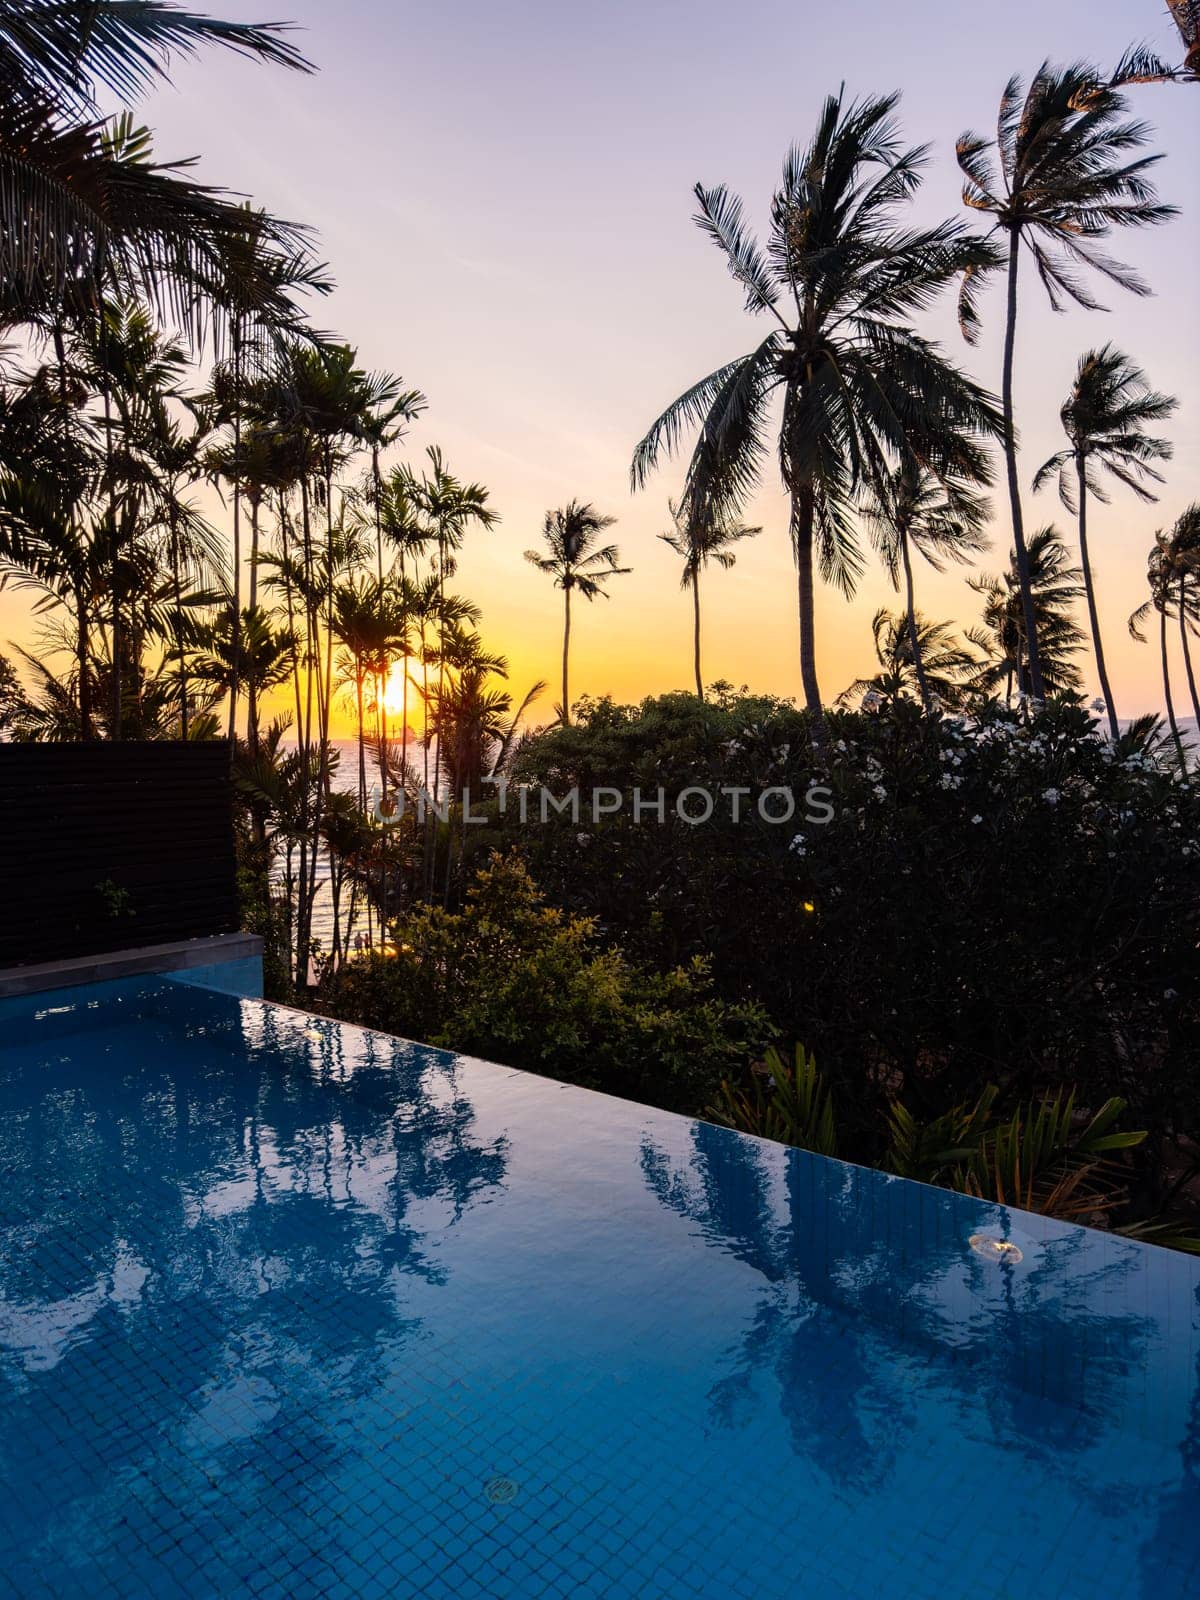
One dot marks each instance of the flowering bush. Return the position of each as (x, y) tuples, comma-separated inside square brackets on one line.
[(993, 900)]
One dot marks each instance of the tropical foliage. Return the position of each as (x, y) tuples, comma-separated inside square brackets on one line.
[(980, 914)]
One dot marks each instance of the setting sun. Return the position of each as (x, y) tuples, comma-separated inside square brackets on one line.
[(393, 693)]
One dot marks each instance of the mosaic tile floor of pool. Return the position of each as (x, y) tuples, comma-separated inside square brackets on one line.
[(288, 1309)]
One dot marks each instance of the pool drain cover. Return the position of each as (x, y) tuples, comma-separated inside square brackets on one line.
[(500, 1491)]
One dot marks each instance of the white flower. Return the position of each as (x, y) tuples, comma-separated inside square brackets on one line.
[(977, 818), (1051, 796), (798, 846), (583, 838), (880, 792)]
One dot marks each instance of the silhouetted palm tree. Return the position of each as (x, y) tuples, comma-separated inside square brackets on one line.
[(840, 278), (947, 668), (1056, 588), (1173, 573), (1141, 65), (576, 561), (1104, 418), (700, 541), (940, 517), (1060, 183)]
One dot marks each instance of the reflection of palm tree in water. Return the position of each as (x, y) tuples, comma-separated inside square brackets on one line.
[(265, 1187), (852, 1259)]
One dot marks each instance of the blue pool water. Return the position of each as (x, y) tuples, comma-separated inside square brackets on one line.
[(290, 1309)]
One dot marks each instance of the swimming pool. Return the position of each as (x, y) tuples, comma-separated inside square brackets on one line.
[(292, 1309)]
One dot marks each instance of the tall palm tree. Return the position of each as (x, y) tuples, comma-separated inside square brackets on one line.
[(1166, 590), (1174, 573), (1184, 548), (840, 279), (576, 561), (913, 508), (448, 508), (1056, 588), (699, 540), (1060, 183), (1104, 418)]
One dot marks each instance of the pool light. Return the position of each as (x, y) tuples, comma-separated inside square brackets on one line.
[(992, 1248)]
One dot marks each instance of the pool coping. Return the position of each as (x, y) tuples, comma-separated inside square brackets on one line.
[(179, 955)]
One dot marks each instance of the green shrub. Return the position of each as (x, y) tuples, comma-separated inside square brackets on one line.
[(521, 982), (994, 901)]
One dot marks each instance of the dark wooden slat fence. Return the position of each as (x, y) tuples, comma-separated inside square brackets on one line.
[(104, 846)]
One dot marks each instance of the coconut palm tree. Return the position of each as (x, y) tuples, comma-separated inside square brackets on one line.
[(84, 209), (947, 671), (699, 540), (1184, 548), (840, 279), (1104, 418), (1059, 184), (1140, 65), (913, 508), (1056, 589), (67, 50), (576, 561), (1173, 573)]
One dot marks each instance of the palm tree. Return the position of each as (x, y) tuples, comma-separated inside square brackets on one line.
[(912, 507), (1062, 184), (840, 278), (257, 654), (1184, 552), (84, 209), (65, 49), (1174, 576), (1104, 418), (1161, 576), (1055, 586), (1140, 65), (947, 668), (448, 508), (576, 561), (701, 540)]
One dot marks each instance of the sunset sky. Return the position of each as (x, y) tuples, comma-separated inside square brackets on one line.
[(504, 196)]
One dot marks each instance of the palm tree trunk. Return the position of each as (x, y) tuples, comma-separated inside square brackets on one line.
[(378, 486), (362, 737), (236, 628), (1089, 589), (114, 551), (1166, 672), (911, 611), (566, 657), (1187, 650), (803, 520), (83, 666), (696, 630), (1014, 486), (175, 579)]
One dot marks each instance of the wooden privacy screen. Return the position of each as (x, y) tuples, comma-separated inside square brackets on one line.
[(105, 846)]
